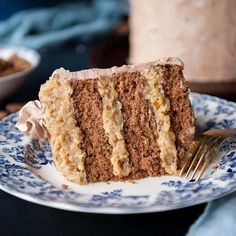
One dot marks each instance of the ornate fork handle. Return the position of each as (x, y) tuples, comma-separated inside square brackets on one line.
[(225, 133)]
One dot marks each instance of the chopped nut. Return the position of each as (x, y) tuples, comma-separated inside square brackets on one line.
[(64, 186), (14, 107), (215, 165)]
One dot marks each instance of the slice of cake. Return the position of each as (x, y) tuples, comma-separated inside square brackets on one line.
[(121, 123)]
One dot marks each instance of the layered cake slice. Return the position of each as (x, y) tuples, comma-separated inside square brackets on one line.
[(121, 123)]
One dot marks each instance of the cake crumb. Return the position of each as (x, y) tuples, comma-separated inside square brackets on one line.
[(215, 165), (64, 186)]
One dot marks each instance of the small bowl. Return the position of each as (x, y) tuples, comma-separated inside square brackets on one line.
[(10, 83)]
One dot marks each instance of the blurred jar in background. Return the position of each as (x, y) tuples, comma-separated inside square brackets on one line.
[(200, 32)]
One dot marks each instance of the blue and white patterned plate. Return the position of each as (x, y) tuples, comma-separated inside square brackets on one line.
[(27, 172)]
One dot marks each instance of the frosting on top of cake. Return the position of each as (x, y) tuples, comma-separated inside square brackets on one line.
[(96, 72)]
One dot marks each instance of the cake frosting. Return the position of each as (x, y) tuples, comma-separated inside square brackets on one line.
[(31, 121), (113, 124), (202, 33), (96, 72)]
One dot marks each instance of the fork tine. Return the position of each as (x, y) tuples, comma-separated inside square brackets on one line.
[(201, 155), (212, 152), (194, 160), (190, 157)]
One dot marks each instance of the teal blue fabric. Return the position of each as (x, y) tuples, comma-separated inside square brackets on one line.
[(218, 219), (50, 27)]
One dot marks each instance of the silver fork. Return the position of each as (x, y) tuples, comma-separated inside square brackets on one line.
[(203, 151)]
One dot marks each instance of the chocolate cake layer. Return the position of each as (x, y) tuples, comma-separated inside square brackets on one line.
[(87, 105), (139, 125), (181, 114)]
